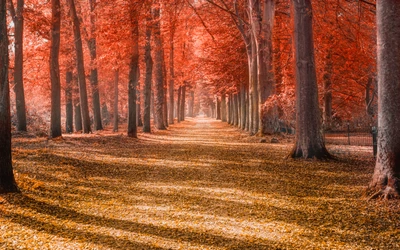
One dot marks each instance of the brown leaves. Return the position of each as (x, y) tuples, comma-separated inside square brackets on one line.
[(199, 185)]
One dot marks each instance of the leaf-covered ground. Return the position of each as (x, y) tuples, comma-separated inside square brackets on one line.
[(199, 185)]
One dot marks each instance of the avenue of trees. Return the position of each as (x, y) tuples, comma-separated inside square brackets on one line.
[(256, 64)]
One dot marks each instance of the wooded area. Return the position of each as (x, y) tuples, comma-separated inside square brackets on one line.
[(282, 74)]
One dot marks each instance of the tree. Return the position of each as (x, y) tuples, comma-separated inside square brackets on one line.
[(133, 72), (386, 179), (158, 69), (309, 140), (93, 70), (116, 93), (69, 111), (7, 181), (81, 69), (18, 20), (149, 77), (55, 124)]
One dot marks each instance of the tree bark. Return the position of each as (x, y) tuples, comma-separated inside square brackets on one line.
[(55, 122), (81, 69), (133, 74), (309, 140), (77, 105), (266, 77), (7, 180), (172, 78), (191, 104), (93, 69), (18, 20), (183, 102), (178, 107), (386, 179), (69, 107), (254, 9), (218, 103), (139, 120), (223, 107), (236, 109), (158, 70), (116, 93), (149, 78)]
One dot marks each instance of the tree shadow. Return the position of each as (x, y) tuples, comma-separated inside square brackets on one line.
[(129, 226)]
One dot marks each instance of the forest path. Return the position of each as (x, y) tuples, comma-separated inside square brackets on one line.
[(201, 184)]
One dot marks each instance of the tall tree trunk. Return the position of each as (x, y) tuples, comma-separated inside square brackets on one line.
[(178, 107), (116, 93), (191, 106), (81, 69), (386, 179), (77, 105), (183, 101), (158, 69), (218, 103), (93, 69), (266, 77), (223, 107), (254, 9), (236, 109), (172, 78), (55, 122), (149, 78), (133, 74), (309, 140), (229, 108), (18, 20), (165, 104), (7, 181), (139, 120), (69, 107)]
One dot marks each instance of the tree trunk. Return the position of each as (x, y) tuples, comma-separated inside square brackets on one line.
[(191, 105), (116, 113), (178, 107), (133, 74), (7, 181), (165, 104), (139, 120), (386, 179), (149, 78), (309, 140), (55, 123), (183, 101), (77, 105), (266, 77), (218, 103), (254, 9), (18, 20), (236, 109), (172, 78), (93, 69), (223, 107), (158, 69), (69, 107), (81, 69)]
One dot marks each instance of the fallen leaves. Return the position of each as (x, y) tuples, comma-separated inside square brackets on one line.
[(199, 185)]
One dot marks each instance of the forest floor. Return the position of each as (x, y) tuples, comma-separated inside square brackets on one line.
[(201, 184)]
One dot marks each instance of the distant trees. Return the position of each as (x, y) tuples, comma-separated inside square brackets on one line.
[(7, 181)]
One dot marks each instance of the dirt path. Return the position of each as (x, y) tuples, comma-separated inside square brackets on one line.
[(199, 185)]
